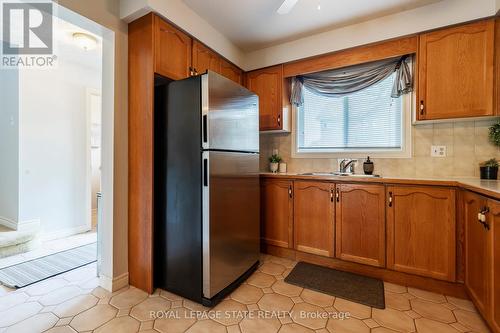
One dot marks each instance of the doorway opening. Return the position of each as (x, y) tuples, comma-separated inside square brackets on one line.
[(58, 120)]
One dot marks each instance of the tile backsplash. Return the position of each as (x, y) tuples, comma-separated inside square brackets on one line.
[(466, 144)]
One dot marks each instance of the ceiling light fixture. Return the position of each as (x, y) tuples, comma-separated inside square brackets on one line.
[(85, 41), (319, 5)]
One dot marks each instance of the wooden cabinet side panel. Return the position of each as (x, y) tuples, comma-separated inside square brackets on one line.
[(277, 213), (421, 231), (494, 222), (468, 69), (140, 153), (360, 224), (313, 211)]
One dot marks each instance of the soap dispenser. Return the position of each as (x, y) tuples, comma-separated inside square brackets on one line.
[(368, 166)]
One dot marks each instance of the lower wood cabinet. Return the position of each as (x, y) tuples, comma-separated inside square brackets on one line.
[(277, 212), (421, 231), (360, 223), (313, 210), (494, 223), (477, 248)]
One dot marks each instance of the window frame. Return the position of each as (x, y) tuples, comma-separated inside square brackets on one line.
[(408, 103)]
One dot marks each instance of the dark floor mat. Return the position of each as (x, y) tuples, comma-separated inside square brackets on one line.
[(350, 286)]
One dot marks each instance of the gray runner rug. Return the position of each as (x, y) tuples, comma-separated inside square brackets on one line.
[(353, 287), (29, 272)]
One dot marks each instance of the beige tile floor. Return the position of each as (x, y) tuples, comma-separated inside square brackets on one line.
[(73, 302)]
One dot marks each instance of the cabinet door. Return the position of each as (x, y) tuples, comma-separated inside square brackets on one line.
[(267, 83), (477, 254), (360, 223), (231, 71), (172, 51), (205, 59), (494, 222), (277, 212), (313, 210), (456, 72), (421, 231)]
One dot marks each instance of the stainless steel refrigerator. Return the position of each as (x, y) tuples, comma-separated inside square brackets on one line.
[(207, 199)]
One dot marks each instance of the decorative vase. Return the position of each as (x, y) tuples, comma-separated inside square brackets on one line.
[(282, 167), (273, 167), (488, 172)]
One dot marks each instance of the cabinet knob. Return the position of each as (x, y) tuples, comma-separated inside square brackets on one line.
[(390, 199), (290, 191), (422, 108), (279, 120)]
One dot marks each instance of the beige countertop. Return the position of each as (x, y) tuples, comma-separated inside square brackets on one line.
[(486, 187)]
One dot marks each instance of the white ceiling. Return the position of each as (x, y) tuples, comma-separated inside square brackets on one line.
[(254, 24)]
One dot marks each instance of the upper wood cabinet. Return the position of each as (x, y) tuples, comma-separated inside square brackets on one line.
[(360, 223), (455, 72), (267, 83), (172, 51), (205, 59), (313, 208), (231, 71), (421, 231), (277, 212), (477, 248)]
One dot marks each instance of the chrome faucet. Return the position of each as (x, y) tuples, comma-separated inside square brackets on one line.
[(347, 164)]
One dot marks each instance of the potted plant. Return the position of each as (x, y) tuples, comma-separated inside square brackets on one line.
[(494, 134), (274, 160), (489, 169)]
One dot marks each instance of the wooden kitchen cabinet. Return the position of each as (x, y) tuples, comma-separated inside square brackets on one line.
[(421, 231), (494, 223), (172, 56), (204, 59), (277, 212), (313, 211), (360, 223), (267, 83), (455, 72), (477, 248), (231, 71)]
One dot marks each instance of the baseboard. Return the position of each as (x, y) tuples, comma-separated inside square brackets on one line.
[(11, 224), (29, 225), (65, 232), (113, 284)]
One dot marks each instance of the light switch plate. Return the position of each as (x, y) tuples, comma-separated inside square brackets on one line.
[(438, 151)]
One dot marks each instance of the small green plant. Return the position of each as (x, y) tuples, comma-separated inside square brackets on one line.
[(492, 163), (494, 134), (275, 158)]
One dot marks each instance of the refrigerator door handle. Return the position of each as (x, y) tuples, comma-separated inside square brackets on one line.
[(205, 127), (205, 172)]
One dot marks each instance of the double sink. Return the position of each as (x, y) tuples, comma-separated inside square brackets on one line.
[(337, 174)]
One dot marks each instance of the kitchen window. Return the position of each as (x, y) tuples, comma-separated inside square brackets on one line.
[(367, 122)]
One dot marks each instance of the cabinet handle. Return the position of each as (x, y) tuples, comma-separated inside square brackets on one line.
[(337, 194), (290, 191), (422, 108), (279, 120), (191, 71), (390, 199), (482, 218), (331, 195)]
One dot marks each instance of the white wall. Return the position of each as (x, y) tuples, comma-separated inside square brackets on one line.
[(54, 156), (9, 145), (428, 17)]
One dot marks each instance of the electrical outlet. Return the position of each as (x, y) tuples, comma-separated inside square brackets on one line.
[(438, 151)]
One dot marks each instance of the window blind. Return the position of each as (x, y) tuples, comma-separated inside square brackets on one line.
[(366, 120)]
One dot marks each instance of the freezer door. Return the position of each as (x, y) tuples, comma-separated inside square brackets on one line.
[(230, 115), (231, 225)]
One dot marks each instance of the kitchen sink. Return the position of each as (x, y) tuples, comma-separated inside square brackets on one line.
[(337, 174)]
